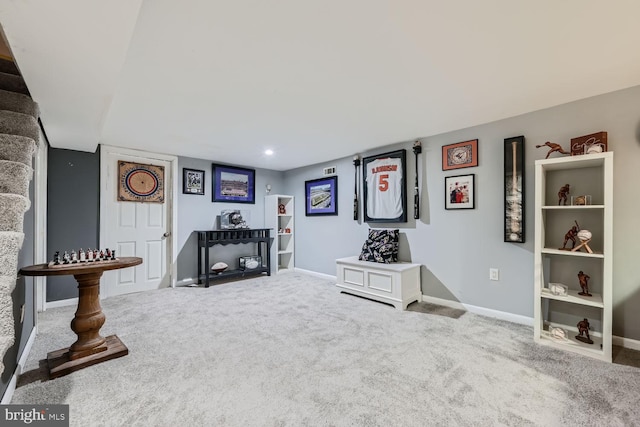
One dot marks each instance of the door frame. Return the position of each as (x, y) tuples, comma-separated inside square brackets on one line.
[(171, 198)]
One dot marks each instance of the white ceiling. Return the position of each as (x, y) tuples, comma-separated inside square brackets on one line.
[(313, 80)]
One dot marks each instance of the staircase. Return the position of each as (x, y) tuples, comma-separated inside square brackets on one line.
[(19, 136)]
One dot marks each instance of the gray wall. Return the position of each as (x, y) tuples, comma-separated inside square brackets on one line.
[(457, 248), (199, 213), (73, 220)]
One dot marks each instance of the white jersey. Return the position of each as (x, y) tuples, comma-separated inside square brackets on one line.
[(384, 188)]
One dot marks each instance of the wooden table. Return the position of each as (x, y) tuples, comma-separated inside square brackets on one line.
[(90, 347)]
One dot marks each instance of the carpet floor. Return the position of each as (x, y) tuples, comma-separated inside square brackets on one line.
[(290, 350)]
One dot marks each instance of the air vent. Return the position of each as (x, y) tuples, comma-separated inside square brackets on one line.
[(329, 171)]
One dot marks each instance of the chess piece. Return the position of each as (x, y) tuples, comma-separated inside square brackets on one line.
[(583, 329), (95, 255), (56, 258), (553, 148), (66, 259), (584, 284), (101, 255), (83, 255), (113, 254), (89, 255), (74, 257), (108, 253), (562, 194), (281, 209)]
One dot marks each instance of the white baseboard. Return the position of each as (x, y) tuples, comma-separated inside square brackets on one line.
[(186, 282), (516, 318), (62, 303), (8, 394), (315, 273), (626, 342), (502, 315)]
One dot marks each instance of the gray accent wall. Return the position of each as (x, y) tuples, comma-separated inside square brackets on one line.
[(73, 203), (457, 247)]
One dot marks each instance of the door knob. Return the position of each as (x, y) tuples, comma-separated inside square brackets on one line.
[(167, 234)]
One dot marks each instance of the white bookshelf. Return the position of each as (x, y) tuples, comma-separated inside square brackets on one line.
[(587, 175), (282, 249)]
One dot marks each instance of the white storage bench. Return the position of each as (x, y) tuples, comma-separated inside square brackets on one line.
[(397, 284)]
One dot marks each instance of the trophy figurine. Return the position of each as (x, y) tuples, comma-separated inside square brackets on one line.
[(584, 284), (583, 329)]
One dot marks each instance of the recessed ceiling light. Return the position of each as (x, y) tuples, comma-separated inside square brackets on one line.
[(268, 152)]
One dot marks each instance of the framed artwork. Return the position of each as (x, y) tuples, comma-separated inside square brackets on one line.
[(460, 192), (138, 182), (460, 155), (385, 195), (321, 196), (514, 190), (192, 181), (233, 184)]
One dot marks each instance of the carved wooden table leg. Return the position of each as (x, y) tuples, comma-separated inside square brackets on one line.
[(89, 317), (90, 347)]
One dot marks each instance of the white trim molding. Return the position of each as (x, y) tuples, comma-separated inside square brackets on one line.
[(22, 362), (626, 343), (314, 273), (502, 315)]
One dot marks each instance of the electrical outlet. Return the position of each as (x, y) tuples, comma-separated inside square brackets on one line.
[(494, 274)]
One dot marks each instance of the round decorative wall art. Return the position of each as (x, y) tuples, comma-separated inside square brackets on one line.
[(140, 183)]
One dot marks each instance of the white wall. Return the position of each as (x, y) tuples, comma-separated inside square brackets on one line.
[(457, 248)]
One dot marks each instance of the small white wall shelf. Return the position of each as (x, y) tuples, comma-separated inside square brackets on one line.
[(282, 250)]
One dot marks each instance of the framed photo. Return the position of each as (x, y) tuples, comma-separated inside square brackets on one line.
[(589, 144), (460, 192), (460, 155), (233, 184), (514, 189), (385, 195), (192, 181), (321, 196)]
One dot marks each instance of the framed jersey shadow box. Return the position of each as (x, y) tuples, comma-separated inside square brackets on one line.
[(384, 180)]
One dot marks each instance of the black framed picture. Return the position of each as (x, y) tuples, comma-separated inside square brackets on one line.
[(233, 184), (385, 195), (514, 190), (192, 181), (321, 196), (460, 192)]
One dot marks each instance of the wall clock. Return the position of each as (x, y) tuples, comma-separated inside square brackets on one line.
[(140, 183)]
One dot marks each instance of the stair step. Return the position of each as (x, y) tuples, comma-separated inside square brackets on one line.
[(19, 124), (18, 102), (15, 178), (9, 67), (16, 148), (12, 209), (13, 83), (10, 242)]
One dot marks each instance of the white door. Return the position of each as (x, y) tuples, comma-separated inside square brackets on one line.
[(140, 229)]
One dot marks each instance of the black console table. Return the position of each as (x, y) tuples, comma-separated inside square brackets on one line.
[(208, 238)]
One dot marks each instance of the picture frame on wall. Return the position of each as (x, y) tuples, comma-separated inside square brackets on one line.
[(232, 184), (321, 196), (192, 181), (460, 192), (385, 182), (460, 155), (514, 190)]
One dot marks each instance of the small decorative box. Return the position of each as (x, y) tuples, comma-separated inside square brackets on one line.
[(250, 262), (558, 289)]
